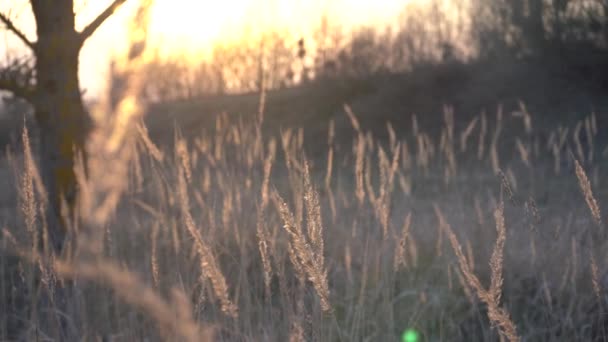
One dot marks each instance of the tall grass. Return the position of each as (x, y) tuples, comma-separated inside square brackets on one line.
[(239, 235)]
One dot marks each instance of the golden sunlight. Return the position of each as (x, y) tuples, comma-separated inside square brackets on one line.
[(189, 29), (188, 26)]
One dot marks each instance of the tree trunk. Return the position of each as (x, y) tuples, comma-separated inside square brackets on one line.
[(60, 113)]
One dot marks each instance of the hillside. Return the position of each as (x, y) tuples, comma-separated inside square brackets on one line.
[(550, 92)]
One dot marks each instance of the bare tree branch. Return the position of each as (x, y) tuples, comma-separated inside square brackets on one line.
[(15, 88), (94, 25), (11, 27), (17, 77)]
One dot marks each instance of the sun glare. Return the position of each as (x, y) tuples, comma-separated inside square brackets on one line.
[(193, 25), (186, 27), (189, 29)]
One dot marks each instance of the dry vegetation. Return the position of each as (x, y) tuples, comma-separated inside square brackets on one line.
[(477, 227), (239, 236)]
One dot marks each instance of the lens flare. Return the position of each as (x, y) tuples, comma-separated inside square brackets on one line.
[(410, 335)]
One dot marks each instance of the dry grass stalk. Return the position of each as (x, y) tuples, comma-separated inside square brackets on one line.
[(263, 94), (440, 229), (405, 183), (506, 186), (557, 145), (429, 146), (423, 154), (531, 211), (33, 201), (482, 136), (585, 186), (399, 259), (137, 182), (227, 207), (392, 137), (353, 119), (331, 132), (313, 216), (465, 287), (152, 149), (171, 316), (304, 254), (208, 264), (296, 333), (348, 262), (154, 255), (296, 263), (494, 144), (328, 188), (525, 115), (470, 256), (106, 176), (576, 136), (464, 136), (359, 161), (449, 276), (491, 297), (413, 250), (523, 152), (181, 151), (329, 170), (371, 192), (300, 138), (595, 278), (27, 192), (446, 144), (261, 232), (263, 248), (496, 260), (272, 147), (448, 118), (512, 179), (387, 181)]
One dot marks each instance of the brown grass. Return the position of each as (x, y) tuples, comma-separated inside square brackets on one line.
[(585, 186), (226, 233)]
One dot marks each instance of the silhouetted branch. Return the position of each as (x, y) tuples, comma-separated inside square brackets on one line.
[(11, 27), (94, 25), (17, 77)]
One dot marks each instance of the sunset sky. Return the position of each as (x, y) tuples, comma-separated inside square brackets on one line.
[(189, 28)]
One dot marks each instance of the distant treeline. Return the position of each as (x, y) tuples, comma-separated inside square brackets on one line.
[(433, 32)]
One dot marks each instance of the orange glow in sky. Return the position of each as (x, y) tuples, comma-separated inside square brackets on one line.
[(190, 28)]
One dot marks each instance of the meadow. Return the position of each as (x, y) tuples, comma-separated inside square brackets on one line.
[(484, 229)]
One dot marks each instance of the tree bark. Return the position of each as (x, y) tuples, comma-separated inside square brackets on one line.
[(62, 119)]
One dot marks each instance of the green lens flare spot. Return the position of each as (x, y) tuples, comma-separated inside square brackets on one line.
[(410, 335)]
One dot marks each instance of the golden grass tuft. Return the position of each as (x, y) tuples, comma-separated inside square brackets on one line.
[(585, 186), (156, 242), (306, 252), (208, 264), (400, 257), (491, 296)]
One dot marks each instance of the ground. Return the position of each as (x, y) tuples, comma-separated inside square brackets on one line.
[(205, 213)]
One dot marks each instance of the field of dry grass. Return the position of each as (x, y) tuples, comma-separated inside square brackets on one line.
[(489, 229)]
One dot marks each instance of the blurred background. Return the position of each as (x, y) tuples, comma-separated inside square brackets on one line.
[(388, 58)]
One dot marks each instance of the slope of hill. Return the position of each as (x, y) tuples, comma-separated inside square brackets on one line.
[(549, 91)]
